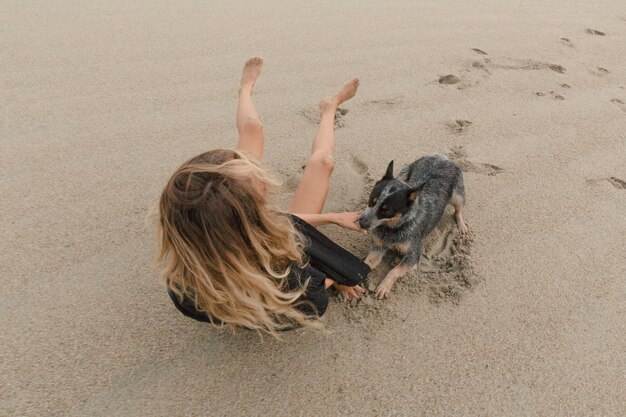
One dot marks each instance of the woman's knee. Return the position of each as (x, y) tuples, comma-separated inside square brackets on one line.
[(251, 125), (322, 161)]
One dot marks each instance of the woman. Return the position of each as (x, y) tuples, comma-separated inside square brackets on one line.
[(228, 256)]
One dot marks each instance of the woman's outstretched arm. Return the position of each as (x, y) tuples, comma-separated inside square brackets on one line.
[(251, 136), (348, 220)]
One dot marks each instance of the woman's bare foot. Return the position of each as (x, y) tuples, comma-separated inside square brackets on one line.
[(346, 93), (251, 71)]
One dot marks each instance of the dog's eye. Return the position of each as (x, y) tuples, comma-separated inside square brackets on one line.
[(374, 200), (385, 207)]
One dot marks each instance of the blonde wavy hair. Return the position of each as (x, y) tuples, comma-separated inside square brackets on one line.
[(223, 245)]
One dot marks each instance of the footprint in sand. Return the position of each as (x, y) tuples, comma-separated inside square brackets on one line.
[(567, 42), (449, 79), (459, 126), (479, 51), (362, 171), (600, 72), (552, 94), (557, 68), (460, 82), (313, 116), (458, 154), (527, 64), (384, 103), (487, 65), (619, 103), (292, 180), (481, 66), (594, 32), (358, 165), (618, 183)]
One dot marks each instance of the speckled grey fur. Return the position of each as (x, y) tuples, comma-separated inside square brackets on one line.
[(440, 181)]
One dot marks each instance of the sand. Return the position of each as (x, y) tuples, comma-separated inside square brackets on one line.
[(101, 102)]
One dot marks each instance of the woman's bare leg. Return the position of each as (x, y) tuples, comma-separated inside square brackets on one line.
[(310, 195), (251, 136)]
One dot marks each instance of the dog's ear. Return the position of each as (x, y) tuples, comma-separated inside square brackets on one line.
[(414, 193), (389, 173)]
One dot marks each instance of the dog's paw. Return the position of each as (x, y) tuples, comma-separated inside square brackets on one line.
[(383, 289)]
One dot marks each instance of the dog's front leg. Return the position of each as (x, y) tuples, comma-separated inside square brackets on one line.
[(407, 264), (374, 257), (376, 253)]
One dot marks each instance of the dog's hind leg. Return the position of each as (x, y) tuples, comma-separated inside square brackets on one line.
[(458, 202)]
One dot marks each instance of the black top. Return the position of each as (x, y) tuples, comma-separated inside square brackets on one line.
[(326, 258), (313, 302)]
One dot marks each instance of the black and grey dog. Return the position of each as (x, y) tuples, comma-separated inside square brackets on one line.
[(404, 210)]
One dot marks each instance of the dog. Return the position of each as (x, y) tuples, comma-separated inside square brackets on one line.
[(402, 211)]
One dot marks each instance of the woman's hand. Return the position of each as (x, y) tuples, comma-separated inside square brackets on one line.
[(348, 220), (351, 293)]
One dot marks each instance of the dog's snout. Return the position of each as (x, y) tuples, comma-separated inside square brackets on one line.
[(364, 224)]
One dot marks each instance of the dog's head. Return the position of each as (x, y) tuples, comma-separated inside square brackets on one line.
[(389, 201)]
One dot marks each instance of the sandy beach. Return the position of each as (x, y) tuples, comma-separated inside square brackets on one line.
[(101, 102)]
